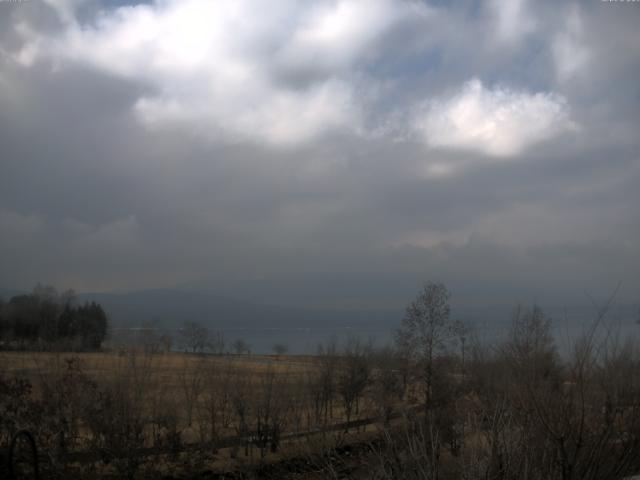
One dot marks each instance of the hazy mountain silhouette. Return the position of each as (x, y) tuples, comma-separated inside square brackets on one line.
[(7, 293), (169, 308)]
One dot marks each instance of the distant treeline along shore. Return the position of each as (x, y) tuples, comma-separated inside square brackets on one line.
[(46, 319)]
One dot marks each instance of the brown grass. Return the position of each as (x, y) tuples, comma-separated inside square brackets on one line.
[(162, 380), (100, 364)]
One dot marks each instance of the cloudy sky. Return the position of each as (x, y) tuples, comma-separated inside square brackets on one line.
[(322, 153)]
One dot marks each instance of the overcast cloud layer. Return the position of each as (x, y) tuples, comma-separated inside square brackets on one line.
[(326, 153)]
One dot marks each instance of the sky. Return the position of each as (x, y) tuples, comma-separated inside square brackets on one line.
[(330, 153)]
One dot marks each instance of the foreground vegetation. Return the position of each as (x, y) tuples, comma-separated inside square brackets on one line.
[(439, 405)]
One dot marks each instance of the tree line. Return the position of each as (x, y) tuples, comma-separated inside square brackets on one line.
[(46, 319)]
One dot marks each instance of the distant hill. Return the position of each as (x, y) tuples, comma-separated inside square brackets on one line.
[(170, 308), (7, 293)]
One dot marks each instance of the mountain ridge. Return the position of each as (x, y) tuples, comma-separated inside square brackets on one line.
[(170, 308)]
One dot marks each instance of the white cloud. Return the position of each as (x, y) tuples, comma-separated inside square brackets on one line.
[(569, 51), (500, 122), (217, 68), (333, 35), (512, 20), (278, 116)]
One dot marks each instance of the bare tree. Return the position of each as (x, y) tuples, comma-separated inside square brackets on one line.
[(271, 406), (214, 402), (216, 342), (194, 336), (354, 375), (191, 378), (427, 331), (280, 349), (387, 382), (119, 415), (326, 379), (242, 405), (148, 337), (240, 347), (166, 341), (531, 346)]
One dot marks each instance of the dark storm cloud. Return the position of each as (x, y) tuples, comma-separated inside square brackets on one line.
[(308, 158)]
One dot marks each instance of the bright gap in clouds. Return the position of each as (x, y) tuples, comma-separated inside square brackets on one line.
[(499, 122)]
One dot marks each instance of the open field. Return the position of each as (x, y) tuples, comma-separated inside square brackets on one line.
[(167, 367), (231, 409)]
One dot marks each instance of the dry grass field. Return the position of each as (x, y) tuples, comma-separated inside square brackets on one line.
[(180, 377), (165, 367), (238, 408)]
